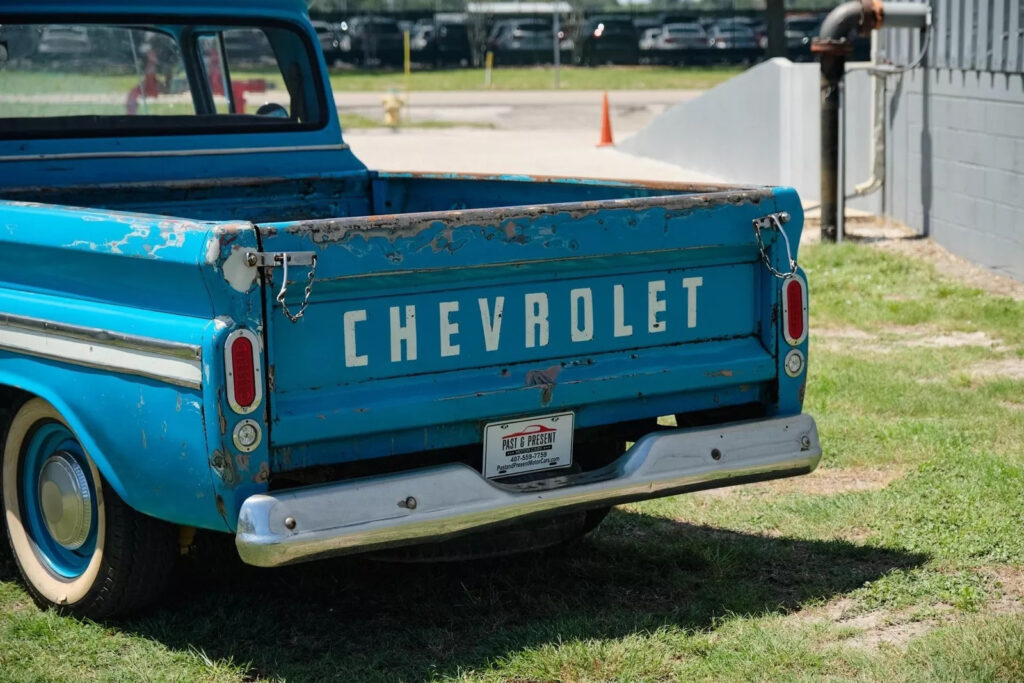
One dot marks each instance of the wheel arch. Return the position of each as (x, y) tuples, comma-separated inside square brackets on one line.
[(170, 477), (15, 391)]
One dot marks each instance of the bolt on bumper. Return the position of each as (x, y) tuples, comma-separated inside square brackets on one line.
[(435, 503)]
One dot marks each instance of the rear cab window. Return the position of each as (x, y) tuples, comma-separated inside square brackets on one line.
[(74, 80)]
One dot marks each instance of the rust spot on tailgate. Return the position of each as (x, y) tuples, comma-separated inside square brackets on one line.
[(545, 379), (509, 219), (263, 475), (242, 461)]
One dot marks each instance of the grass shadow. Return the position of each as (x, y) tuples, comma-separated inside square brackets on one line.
[(351, 619)]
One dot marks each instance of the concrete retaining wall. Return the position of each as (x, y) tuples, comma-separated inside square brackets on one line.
[(763, 127)]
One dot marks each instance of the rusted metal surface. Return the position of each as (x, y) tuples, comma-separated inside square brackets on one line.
[(393, 226)]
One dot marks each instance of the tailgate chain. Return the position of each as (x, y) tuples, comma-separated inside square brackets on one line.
[(284, 289), (769, 222)]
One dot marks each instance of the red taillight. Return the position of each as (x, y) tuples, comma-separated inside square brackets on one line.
[(794, 310), (244, 377)]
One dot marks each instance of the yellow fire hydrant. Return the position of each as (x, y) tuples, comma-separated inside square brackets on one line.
[(392, 109)]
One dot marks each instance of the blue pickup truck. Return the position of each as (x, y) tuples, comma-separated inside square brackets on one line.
[(213, 316)]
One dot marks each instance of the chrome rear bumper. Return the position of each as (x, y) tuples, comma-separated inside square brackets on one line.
[(435, 503)]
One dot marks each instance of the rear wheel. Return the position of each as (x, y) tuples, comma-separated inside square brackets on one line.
[(78, 546)]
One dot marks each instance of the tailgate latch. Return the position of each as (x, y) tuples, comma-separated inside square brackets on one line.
[(284, 259), (269, 259), (775, 221)]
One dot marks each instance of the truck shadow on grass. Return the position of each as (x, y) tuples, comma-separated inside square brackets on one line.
[(351, 619)]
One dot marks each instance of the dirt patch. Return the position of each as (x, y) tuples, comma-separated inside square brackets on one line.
[(901, 337), (879, 630), (875, 628), (951, 340), (828, 481), (893, 236), (1010, 582), (1008, 368), (881, 627), (957, 268), (859, 225), (1010, 405), (822, 482)]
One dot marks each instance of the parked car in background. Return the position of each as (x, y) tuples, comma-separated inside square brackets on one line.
[(63, 43), (372, 40), (755, 24), (800, 31), (524, 41), (330, 42), (642, 24), (732, 43), (248, 48), (682, 43), (18, 42), (420, 37), (648, 45), (441, 44), (682, 19), (607, 39)]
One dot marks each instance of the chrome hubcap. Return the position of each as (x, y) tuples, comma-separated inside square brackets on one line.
[(65, 500)]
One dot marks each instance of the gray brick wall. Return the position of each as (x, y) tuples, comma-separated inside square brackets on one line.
[(955, 161)]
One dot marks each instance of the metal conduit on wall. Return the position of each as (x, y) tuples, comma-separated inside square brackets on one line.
[(833, 45)]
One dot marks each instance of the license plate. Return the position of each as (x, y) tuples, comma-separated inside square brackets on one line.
[(521, 446)]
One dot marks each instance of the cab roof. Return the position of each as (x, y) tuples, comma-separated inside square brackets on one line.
[(78, 11)]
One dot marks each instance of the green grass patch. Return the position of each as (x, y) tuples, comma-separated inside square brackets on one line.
[(351, 120), (503, 78), (699, 587), (539, 78), (989, 648)]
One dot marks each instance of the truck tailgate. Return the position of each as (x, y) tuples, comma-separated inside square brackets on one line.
[(420, 328)]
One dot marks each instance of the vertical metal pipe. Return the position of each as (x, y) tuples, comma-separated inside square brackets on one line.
[(832, 66), (841, 178), (775, 25), (833, 44)]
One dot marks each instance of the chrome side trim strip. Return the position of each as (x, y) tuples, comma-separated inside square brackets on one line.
[(101, 336), (172, 362), (145, 154), (436, 503)]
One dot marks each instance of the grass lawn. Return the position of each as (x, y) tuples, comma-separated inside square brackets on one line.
[(504, 78), (350, 120), (540, 78), (900, 559)]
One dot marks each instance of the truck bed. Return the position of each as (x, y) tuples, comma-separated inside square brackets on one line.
[(446, 248)]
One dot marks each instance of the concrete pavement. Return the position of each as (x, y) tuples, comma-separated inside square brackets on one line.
[(524, 109), (539, 152), (532, 132)]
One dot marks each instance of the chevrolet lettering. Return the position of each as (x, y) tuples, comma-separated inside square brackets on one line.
[(568, 319)]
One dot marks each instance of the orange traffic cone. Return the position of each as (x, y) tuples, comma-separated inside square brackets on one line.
[(606, 125)]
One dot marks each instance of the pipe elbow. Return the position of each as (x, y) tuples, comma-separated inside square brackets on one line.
[(861, 17), (843, 21), (847, 21)]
